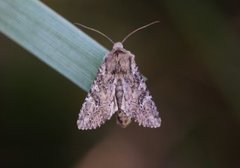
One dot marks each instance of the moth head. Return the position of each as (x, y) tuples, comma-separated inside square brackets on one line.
[(117, 45)]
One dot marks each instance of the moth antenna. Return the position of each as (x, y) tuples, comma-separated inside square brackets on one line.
[(97, 31), (136, 30)]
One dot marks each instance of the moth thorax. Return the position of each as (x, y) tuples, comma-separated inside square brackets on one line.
[(122, 119)]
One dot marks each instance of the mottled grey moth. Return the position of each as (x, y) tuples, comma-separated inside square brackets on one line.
[(118, 88)]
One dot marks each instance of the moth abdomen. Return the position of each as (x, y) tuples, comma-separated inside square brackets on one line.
[(119, 92), (122, 119)]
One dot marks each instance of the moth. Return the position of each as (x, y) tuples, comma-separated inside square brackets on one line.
[(118, 88)]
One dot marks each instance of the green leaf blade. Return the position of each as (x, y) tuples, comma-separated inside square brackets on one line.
[(52, 39)]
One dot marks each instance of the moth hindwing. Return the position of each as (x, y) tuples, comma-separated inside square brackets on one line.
[(118, 88)]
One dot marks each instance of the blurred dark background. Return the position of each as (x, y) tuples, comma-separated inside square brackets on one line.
[(191, 60)]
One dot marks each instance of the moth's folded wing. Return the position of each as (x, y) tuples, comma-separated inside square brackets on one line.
[(138, 102), (142, 109), (100, 103), (145, 113)]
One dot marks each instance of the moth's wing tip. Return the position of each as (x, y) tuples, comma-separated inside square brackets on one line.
[(155, 124), (82, 126), (159, 122), (86, 128)]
